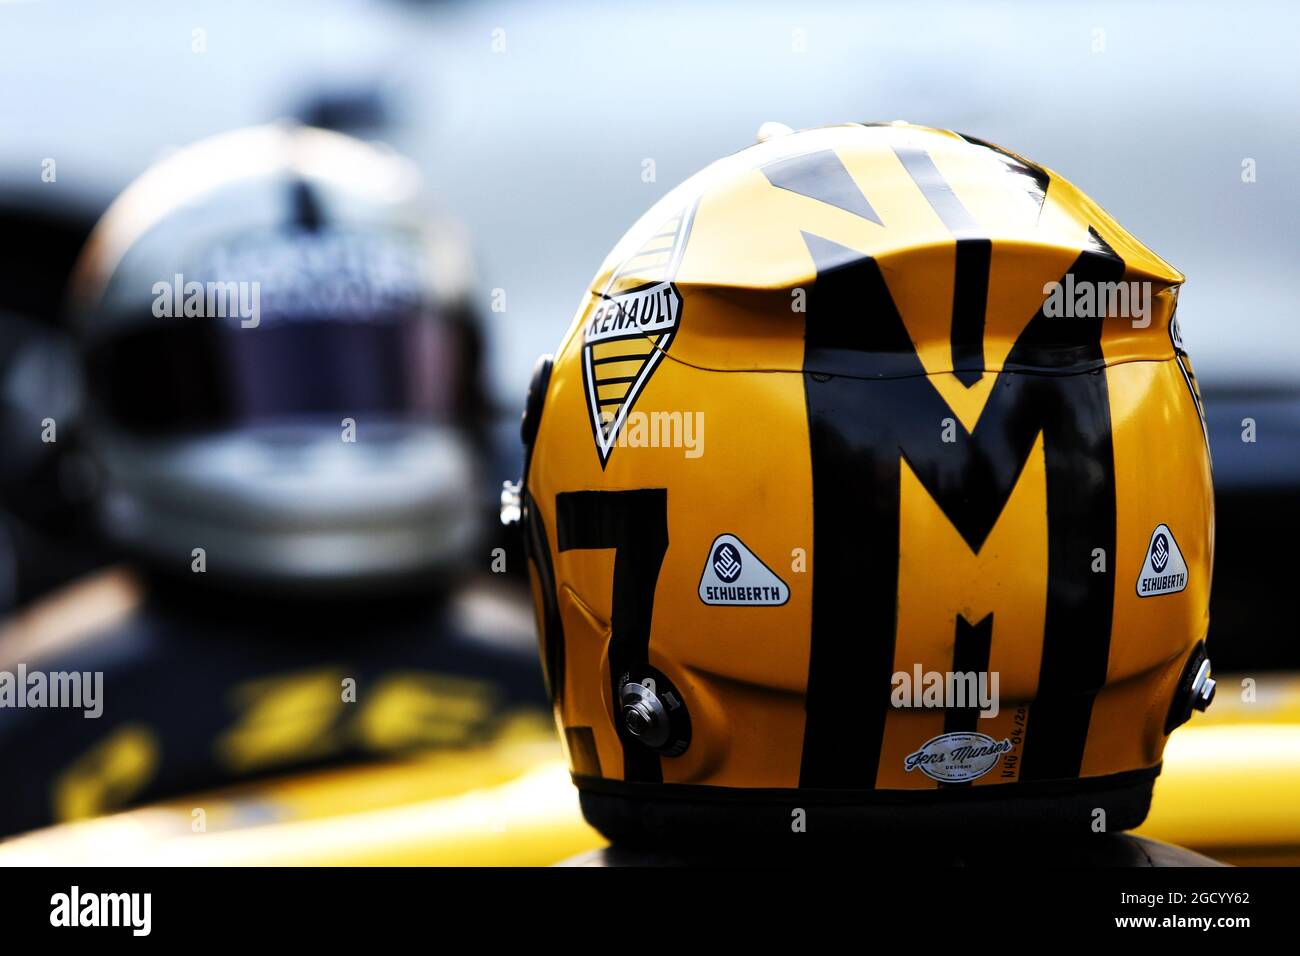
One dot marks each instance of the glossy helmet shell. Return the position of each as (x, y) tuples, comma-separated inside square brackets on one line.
[(837, 420)]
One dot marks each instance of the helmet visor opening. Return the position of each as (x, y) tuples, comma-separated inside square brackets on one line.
[(188, 375)]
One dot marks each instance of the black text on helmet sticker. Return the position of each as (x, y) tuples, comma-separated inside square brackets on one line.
[(634, 330), (1163, 571), (734, 575), (629, 330), (957, 757)]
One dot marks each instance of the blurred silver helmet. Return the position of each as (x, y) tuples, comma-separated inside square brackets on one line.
[(281, 364)]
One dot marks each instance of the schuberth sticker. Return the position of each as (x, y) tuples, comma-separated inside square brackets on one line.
[(1164, 571), (956, 758), (630, 328), (734, 575)]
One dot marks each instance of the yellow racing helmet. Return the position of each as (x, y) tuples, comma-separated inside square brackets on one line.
[(869, 490)]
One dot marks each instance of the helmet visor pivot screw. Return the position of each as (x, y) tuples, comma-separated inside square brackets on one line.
[(644, 715), (1203, 687)]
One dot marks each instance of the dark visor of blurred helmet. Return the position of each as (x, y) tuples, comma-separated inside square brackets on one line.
[(197, 374)]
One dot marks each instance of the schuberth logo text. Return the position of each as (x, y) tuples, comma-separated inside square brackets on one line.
[(734, 575), (630, 329), (1164, 571)]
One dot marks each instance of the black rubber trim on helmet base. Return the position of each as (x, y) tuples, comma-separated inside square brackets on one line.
[(666, 814)]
